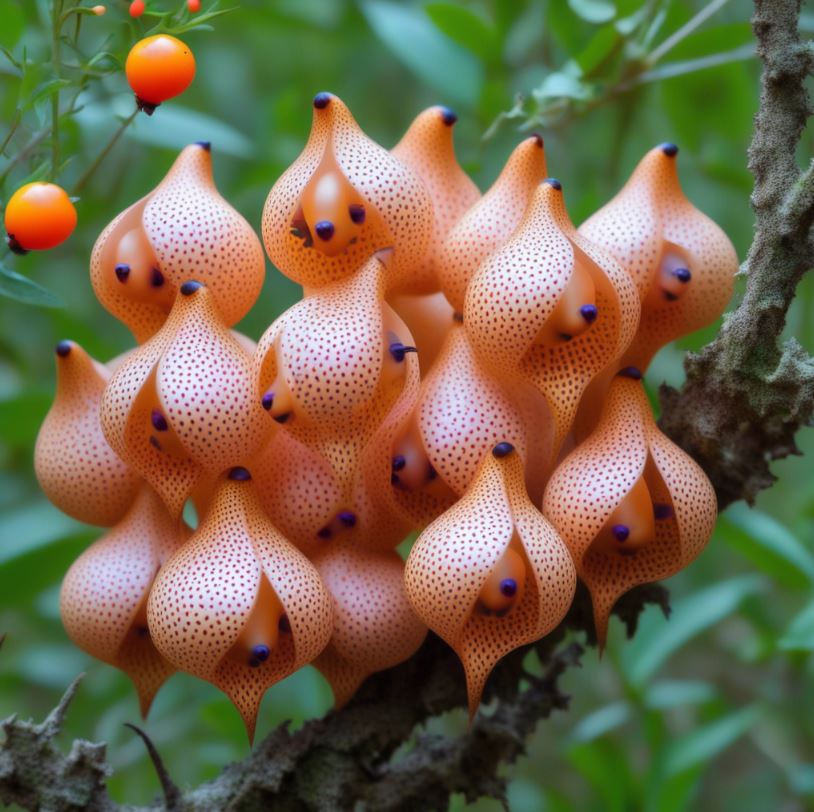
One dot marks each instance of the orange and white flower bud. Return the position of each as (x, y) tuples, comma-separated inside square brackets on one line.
[(76, 467), (551, 307), (343, 199), (182, 406), (491, 573), (631, 506), (103, 601), (374, 625), (182, 230), (491, 220), (238, 605), (682, 263), (428, 149)]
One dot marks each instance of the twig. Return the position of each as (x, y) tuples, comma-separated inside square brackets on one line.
[(89, 172), (172, 795)]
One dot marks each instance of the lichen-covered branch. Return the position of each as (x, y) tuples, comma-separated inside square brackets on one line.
[(745, 398), (746, 395)]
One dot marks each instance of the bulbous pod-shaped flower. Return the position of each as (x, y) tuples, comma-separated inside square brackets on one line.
[(461, 413), (238, 605), (374, 626), (427, 148), (76, 467), (429, 318), (182, 230), (103, 601), (491, 574), (682, 263), (182, 404), (332, 367), (552, 306), (490, 221), (631, 506), (343, 199)]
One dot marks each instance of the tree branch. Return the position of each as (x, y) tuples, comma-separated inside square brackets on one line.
[(744, 399), (745, 395), (347, 757)]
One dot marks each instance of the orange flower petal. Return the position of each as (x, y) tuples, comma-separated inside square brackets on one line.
[(183, 229), (224, 595), (374, 626), (517, 295), (452, 561), (340, 168), (653, 230), (76, 468), (491, 220), (104, 595), (591, 486), (182, 404), (429, 318), (428, 149)]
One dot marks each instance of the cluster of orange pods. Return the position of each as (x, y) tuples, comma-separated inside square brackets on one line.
[(468, 366)]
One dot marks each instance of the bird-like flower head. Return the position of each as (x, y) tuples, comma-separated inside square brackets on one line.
[(182, 230)]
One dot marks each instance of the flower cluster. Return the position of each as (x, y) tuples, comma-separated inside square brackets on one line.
[(461, 365)]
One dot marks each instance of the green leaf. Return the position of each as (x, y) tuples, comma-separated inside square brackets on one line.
[(13, 17), (657, 639), (769, 545), (705, 743), (800, 634), (466, 28), (32, 527), (600, 722), (602, 46), (605, 768), (434, 58), (46, 90), (668, 694), (593, 11), (21, 289)]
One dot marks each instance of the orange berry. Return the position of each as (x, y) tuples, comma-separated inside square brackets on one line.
[(99, 10), (137, 8), (39, 216), (159, 68), (194, 5)]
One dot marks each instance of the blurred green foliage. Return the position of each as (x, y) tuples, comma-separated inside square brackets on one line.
[(713, 709)]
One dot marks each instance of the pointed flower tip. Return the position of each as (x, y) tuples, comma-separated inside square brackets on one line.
[(554, 183), (205, 145), (538, 139), (239, 474), (670, 150), (322, 100), (63, 349)]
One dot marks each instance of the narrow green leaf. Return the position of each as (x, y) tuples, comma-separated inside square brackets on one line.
[(800, 634), (466, 28), (593, 11), (657, 639), (669, 694), (600, 722), (13, 17), (32, 527), (435, 59), (21, 289), (705, 743), (769, 545), (602, 46), (46, 90)]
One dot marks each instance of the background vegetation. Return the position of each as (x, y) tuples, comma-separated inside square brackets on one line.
[(716, 704)]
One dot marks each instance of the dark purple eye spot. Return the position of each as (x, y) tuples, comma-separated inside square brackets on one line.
[(508, 587), (122, 272), (324, 229), (158, 420), (589, 312), (621, 532), (357, 213), (156, 278)]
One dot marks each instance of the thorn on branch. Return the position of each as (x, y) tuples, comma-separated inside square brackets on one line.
[(172, 795)]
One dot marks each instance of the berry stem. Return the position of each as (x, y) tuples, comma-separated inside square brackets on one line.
[(89, 172)]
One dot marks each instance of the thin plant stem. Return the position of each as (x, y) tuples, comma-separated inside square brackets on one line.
[(682, 33), (89, 172), (56, 59)]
